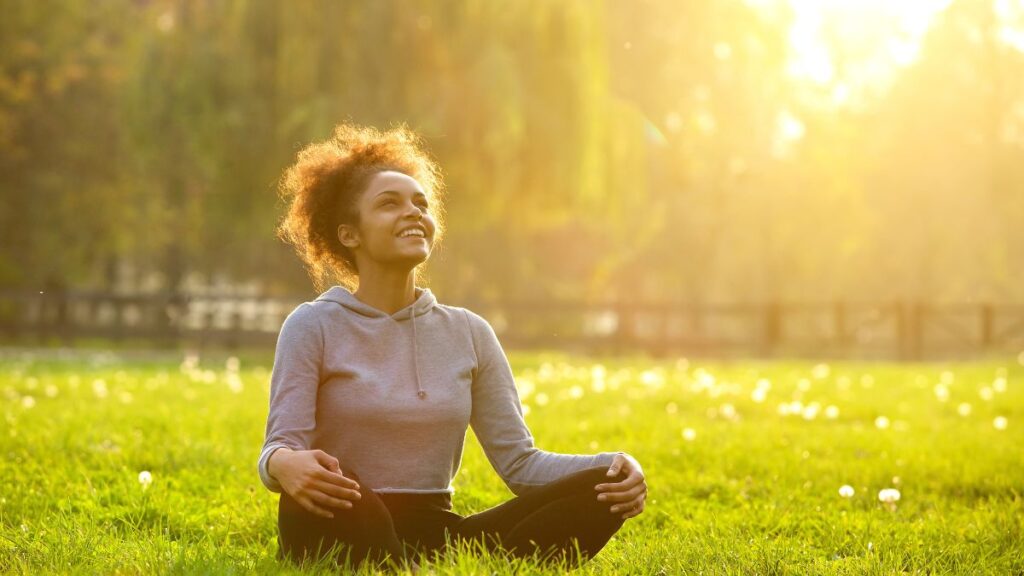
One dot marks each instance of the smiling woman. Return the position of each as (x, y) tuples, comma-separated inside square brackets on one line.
[(375, 384), (325, 189)]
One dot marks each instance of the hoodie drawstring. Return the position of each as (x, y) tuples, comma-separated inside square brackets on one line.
[(415, 359)]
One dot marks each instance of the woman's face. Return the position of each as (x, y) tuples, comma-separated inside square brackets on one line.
[(395, 226)]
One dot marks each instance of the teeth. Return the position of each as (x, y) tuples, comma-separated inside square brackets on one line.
[(411, 233)]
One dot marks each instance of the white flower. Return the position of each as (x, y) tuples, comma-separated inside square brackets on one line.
[(881, 422), (846, 491), (888, 495), (1000, 422), (576, 392), (689, 434), (759, 395), (145, 478)]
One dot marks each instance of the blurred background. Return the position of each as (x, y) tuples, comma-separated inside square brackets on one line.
[(762, 177)]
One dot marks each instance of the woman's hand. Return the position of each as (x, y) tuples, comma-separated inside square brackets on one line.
[(314, 479), (628, 495)]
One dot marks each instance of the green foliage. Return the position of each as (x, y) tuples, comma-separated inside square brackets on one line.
[(753, 491)]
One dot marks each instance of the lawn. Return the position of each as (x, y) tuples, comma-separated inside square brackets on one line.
[(744, 460)]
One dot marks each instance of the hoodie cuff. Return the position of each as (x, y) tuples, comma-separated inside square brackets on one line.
[(269, 481)]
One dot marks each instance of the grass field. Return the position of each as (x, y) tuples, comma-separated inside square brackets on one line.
[(744, 460)]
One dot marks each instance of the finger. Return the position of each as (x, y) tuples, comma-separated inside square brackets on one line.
[(629, 482), (617, 463), (623, 496), (633, 513), (628, 505), (327, 461), (337, 491), (328, 501), (336, 479), (313, 508)]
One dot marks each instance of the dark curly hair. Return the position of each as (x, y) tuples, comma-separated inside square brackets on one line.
[(323, 187)]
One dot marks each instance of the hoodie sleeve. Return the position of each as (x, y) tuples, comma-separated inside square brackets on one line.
[(294, 382), (497, 421)]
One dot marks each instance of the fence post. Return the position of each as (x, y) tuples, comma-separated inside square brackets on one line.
[(839, 325), (987, 319), (772, 328), (624, 334), (911, 319)]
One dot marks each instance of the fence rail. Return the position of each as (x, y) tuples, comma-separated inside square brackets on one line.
[(901, 330)]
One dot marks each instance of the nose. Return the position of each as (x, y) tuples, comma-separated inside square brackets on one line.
[(416, 212)]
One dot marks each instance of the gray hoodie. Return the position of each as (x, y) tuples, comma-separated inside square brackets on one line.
[(391, 396)]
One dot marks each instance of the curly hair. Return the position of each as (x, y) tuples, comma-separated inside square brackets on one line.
[(323, 187)]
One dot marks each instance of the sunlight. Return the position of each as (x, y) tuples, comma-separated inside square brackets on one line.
[(858, 45)]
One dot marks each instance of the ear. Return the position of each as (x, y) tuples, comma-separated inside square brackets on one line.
[(348, 236)]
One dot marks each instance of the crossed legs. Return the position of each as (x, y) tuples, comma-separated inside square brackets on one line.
[(561, 521)]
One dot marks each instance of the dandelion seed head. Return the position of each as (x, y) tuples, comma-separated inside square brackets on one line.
[(881, 422), (99, 388), (889, 495), (999, 385), (986, 393), (576, 392), (1000, 423), (846, 491), (145, 479), (832, 412), (51, 391), (541, 399), (759, 395), (941, 392), (964, 409), (28, 402), (689, 434)]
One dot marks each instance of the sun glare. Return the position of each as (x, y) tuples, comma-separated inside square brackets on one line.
[(847, 47)]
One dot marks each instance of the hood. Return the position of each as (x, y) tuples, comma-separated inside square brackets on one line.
[(423, 304)]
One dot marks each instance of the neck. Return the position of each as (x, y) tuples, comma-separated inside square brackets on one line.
[(386, 290)]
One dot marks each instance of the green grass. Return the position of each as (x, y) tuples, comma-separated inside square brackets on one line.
[(755, 492)]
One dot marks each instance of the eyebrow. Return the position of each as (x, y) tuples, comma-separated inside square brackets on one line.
[(417, 193)]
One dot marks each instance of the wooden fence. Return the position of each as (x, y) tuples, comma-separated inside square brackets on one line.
[(893, 330)]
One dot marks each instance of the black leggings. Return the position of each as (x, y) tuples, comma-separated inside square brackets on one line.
[(551, 521)]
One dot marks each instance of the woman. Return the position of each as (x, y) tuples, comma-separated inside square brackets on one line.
[(375, 382)]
